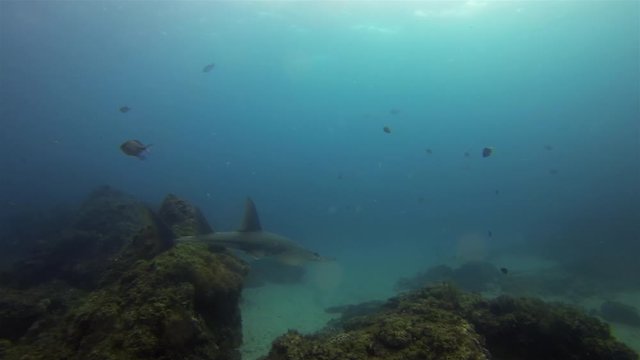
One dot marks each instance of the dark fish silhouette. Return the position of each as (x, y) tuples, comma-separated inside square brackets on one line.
[(135, 148), (486, 152), (387, 129), (490, 233), (548, 147), (394, 111), (125, 109), (553, 171), (208, 67), (497, 192), (429, 151), (504, 270), (466, 154)]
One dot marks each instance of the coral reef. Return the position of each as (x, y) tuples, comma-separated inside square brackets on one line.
[(445, 323), (141, 297)]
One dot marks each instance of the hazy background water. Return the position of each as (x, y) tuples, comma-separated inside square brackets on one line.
[(293, 112)]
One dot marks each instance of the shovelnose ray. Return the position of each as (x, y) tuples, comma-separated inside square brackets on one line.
[(251, 239)]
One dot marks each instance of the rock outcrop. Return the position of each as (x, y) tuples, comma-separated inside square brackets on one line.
[(114, 286), (445, 323)]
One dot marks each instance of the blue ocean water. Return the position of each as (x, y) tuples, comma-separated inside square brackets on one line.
[(293, 114)]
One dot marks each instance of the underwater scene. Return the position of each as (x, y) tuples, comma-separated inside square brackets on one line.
[(322, 180)]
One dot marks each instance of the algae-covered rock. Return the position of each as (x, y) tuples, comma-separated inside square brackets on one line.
[(445, 323), (141, 297), (527, 328), (109, 226), (404, 328), (182, 304), (25, 312), (183, 218)]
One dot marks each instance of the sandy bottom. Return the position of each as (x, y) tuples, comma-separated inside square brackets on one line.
[(269, 311)]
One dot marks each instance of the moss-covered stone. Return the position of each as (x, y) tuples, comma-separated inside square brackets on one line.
[(404, 328), (444, 323), (109, 226), (142, 297), (181, 304), (526, 328), (25, 311), (183, 218)]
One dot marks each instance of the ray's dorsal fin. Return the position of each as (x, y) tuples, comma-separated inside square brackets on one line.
[(250, 222)]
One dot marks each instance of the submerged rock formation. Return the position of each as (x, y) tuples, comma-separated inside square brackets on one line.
[(115, 287), (108, 227), (182, 217), (444, 323), (471, 276)]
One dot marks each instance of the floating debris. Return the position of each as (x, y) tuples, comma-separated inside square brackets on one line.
[(486, 152), (504, 270), (208, 67), (387, 129), (124, 109), (135, 148)]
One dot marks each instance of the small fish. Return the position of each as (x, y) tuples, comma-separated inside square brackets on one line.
[(208, 67), (504, 270), (135, 148), (486, 152), (497, 192), (490, 233), (394, 111), (124, 109), (387, 129), (548, 147), (466, 154), (429, 151), (553, 171)]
